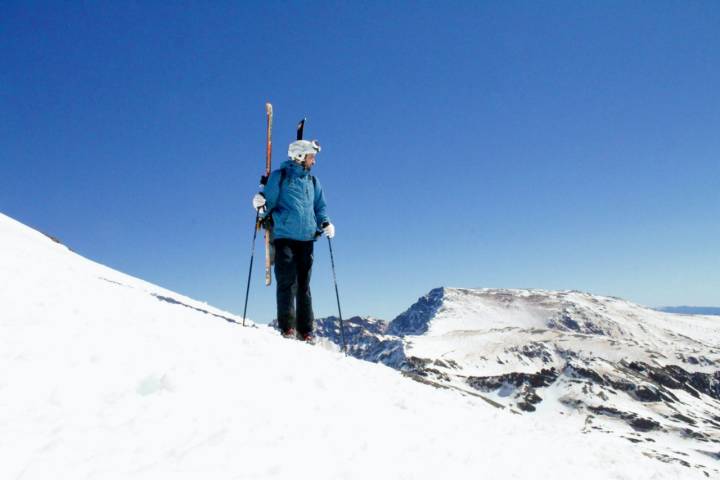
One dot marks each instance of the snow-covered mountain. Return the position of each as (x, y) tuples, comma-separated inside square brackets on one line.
[(647, 376), (105, 376)]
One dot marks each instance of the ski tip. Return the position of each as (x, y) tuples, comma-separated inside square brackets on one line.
[(300, 128), (268, 107)]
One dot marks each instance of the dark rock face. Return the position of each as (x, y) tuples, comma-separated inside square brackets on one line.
[(414, 320), (543, 378), (580, 372), (684, 418), (638, 423), (657, 381), (675, 377), (644, 424), (529, 400), (575, 319), (365, 339), (535, 350), (713, 455), (424, 367), (648, 394), (567, 321), (525, 385)]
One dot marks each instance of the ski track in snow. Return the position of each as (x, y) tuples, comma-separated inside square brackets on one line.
[(102, 377)]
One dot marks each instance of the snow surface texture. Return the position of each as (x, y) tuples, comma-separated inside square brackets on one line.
[(104, 376), (652, 378)]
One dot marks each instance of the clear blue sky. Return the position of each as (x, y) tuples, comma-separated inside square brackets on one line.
[(558, 145)]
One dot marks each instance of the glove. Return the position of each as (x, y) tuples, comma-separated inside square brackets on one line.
[(328, 229), (258, 201)]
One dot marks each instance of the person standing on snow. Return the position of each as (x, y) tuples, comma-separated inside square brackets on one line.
[(294, 201)]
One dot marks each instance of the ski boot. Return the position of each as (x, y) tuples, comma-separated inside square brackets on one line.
[(289, 333)]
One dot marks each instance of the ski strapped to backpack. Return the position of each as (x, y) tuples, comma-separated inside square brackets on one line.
[(268, 168), (256, 225)]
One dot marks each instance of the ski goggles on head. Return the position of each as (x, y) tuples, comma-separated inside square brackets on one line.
[(316, 145)]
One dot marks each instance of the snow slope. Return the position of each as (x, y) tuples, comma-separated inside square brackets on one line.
[(104, 376)]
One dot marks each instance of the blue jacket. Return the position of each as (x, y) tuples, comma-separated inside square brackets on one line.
[(298, 206)]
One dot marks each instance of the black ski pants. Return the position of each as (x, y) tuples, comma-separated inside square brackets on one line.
[(293, 265)]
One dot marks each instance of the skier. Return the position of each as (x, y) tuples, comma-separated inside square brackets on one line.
[(293, 201)]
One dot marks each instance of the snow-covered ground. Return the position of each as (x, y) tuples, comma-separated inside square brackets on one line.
[(103, 375)]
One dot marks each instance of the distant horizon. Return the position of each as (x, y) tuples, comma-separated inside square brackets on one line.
[(690, 310)]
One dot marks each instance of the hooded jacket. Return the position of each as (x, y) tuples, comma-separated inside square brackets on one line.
[(297, 207)]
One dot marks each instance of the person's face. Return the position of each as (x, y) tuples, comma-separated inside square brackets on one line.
[(309, 161)]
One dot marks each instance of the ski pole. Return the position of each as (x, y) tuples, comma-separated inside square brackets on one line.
[(252, 258), (337, 296)]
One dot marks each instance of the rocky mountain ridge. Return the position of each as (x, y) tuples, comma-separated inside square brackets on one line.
[(648, 376)]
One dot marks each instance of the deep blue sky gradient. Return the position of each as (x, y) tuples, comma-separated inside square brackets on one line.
[(559, 145)]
